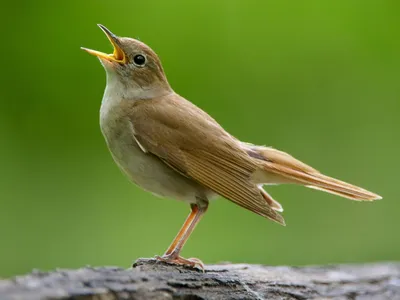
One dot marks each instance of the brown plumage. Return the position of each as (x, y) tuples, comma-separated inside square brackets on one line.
[(204, 151), (172, 148)]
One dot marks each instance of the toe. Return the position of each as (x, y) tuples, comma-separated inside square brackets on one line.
[(191, 262)]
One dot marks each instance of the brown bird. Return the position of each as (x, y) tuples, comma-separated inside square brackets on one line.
[(171, 148)]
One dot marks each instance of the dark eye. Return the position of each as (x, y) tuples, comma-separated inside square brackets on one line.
[(139, 60)]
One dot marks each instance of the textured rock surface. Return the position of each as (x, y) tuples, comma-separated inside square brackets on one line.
[(149, 279)]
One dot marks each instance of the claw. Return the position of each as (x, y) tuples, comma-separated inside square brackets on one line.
[(187, 262)]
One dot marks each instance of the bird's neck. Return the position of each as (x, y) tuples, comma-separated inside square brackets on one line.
[(129, 90)]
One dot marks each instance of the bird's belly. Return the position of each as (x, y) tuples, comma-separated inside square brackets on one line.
[(149, 172)]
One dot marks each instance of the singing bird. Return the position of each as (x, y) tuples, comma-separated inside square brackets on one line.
[(171, 148)]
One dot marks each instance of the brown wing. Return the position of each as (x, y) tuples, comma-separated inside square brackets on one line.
[(191, 142)]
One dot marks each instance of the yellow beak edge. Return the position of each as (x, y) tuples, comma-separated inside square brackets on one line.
[(117, 56)]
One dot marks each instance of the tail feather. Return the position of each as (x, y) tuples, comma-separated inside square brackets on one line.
[(279, 167), (345, 195), (322, 182), (271, 201)]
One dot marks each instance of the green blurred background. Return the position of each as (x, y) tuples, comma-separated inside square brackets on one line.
[(318, 79)]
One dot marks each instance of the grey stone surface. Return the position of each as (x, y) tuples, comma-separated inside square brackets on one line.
[(149, 279)]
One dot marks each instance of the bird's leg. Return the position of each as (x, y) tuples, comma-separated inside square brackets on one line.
[(172, 253)]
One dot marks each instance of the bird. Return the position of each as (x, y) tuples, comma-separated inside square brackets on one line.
[(171, 148)]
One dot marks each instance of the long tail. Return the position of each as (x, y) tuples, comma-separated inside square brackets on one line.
[(322, 182), (280, 167)]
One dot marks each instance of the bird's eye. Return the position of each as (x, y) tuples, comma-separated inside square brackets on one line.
[(139, 60)]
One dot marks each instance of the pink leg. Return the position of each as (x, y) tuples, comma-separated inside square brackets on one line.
[(172, 253)]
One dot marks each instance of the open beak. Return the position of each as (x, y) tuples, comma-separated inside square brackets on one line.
[(117, 56)]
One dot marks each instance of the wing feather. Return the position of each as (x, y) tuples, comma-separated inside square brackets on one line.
[(231, 186), (195, 145)]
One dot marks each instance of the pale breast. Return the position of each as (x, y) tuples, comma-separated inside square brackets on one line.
[(144, 169)]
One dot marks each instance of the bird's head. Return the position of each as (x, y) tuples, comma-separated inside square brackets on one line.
[(133, 65)]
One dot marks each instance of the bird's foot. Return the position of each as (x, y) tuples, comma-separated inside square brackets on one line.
[(178, 260)]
